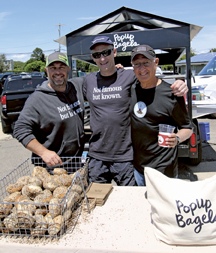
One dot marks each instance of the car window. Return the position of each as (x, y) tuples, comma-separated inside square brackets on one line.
[(21, 84), (209, 69)]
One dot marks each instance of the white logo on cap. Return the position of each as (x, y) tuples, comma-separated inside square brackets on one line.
[(141, 49), (98, 39)]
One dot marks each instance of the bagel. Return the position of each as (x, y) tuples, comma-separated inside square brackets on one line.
[(11, 188), (76, 188), (5, 209), (35, 181), (40, 225), (12, 197), (59, 171), (23, 180), (60, 192), (43, 198), (65, 180), (40, 172), (31, 191), (50, 184), (53, 229)]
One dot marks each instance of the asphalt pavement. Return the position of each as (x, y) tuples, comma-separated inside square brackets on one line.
[(12, 153)]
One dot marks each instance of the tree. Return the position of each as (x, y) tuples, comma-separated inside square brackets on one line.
[(28, 62), (93, 68), (3, 66), (18, 66), (212, 50), (86, 67), (35, 66), (38, 55)]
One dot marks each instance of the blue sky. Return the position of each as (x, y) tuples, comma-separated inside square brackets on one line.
[(27, 24)]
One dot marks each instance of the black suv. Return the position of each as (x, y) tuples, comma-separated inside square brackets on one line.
[(17, 89)]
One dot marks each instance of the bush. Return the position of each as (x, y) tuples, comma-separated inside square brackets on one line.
[(35, 66)]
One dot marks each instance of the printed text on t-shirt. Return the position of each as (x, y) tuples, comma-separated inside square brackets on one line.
[(101, 94), (66, 111)]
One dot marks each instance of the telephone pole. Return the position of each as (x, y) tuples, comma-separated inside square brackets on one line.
[(59, 29)]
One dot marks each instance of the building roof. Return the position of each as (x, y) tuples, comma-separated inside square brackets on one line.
[(199, 58), (128, 28)]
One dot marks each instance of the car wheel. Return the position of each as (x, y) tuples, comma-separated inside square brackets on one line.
[(6, 126)]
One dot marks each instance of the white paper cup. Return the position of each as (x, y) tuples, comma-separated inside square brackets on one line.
[(164, 132)]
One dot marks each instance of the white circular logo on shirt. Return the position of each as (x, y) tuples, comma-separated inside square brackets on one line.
[(140, 109)]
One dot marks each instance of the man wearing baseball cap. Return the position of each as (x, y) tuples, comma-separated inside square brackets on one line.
[(152, 103), (51, 122), (108, 94)]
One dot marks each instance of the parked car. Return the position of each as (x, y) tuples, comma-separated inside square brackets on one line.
[(3, 77), (206, 81), (17, 89), (35, 73), (207, 77)]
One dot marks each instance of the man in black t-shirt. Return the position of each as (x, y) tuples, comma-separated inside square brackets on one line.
[(108, 94), (152, 103)]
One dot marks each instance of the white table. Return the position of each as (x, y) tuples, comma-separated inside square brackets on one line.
[(122, 224)]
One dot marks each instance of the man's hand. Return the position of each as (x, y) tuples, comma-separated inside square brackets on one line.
[(51, 158), (171, 140), (48, 156), (179, 88), (119, 66)]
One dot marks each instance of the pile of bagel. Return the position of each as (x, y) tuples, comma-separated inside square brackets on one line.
[(37, 202)]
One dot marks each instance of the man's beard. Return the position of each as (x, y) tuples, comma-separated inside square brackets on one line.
[(59, 84)]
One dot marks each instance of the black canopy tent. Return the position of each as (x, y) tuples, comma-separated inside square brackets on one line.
[(128, 28)]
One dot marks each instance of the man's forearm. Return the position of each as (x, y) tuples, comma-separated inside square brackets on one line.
[(35, 147), (184, 134), (49, 157)]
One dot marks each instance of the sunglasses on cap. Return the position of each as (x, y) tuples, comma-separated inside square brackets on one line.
[(105, 53)]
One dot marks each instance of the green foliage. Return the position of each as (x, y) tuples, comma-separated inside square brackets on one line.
[(42, 69), (28, 62), (93, 68), (81, 65), (34, 66), (38, 55), (34, 63), (86, 67), (3, 66), (18, 66), (166, 67), (212, 50)]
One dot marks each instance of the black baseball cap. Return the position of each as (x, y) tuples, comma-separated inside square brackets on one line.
[(101, 40), (144, 50), (57, 56)]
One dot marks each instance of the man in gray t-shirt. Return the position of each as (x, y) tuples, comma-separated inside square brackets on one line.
[(108, 94)]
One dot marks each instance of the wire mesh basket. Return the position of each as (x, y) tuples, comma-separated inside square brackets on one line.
[(38, 203)]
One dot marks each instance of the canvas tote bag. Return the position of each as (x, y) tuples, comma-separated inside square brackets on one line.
[(183, 213)]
